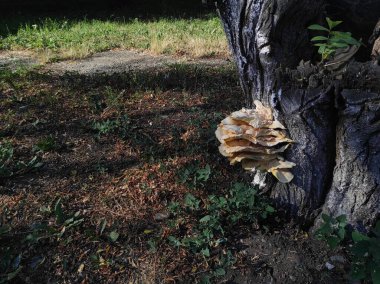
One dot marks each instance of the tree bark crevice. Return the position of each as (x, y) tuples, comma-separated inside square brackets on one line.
[(355, 187)]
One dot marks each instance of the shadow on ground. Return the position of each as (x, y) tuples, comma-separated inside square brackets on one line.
[(151, 114), (116, 150)]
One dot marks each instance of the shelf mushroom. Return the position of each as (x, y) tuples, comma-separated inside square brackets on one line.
[(254, 138)]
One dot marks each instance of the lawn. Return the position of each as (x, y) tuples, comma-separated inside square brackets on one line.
[(53, 40)]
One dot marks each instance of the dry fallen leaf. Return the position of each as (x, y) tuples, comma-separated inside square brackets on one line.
[(254, 138)]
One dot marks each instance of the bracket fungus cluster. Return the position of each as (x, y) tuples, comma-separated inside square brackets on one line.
[(254, 138)]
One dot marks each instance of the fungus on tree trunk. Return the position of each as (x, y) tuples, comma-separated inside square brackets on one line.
[(253, 138), (333, 116)]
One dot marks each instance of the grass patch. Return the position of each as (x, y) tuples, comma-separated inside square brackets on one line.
[(72, 39)]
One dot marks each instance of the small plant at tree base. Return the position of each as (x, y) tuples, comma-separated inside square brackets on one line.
[(364, 250), (215, 217), (332, 230), (333, 40), (366, 255)]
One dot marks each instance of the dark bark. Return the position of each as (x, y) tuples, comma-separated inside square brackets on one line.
[(264, 34), (356, 186), (310, 119), (269, 38)]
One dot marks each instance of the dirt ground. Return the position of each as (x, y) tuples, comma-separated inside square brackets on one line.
[(14, 59), (108, 62), (119, 176)]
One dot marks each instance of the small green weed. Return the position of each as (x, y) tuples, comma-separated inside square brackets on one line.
[(194, 175), (366, 255), (215, 219), (332, 230), (12, 247), (6, 156), (120, 125), (364, 250), (9, 260), (46, 144), (12, 78), (10, 166), (113, 98), (113, 236), (333, 40), (191, 202), (105, 127), (63, 223)]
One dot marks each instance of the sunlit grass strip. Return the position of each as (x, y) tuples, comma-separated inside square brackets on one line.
[(56, 40)]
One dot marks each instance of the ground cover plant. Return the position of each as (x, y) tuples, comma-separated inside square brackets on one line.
[(131, 185), (364, 249), (53, 39)]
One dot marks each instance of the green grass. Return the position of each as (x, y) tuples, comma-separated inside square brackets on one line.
[(69, 39)]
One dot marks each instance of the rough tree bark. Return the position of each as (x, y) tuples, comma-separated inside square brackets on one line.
[(334, 118)]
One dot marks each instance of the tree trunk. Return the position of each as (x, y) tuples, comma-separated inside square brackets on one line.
[(333, 118)]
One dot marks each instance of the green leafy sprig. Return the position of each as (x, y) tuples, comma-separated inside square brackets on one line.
[(333, 40)]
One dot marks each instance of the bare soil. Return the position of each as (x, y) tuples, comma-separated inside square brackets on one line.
[(108, 62), (118, 61), (15, 59)]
